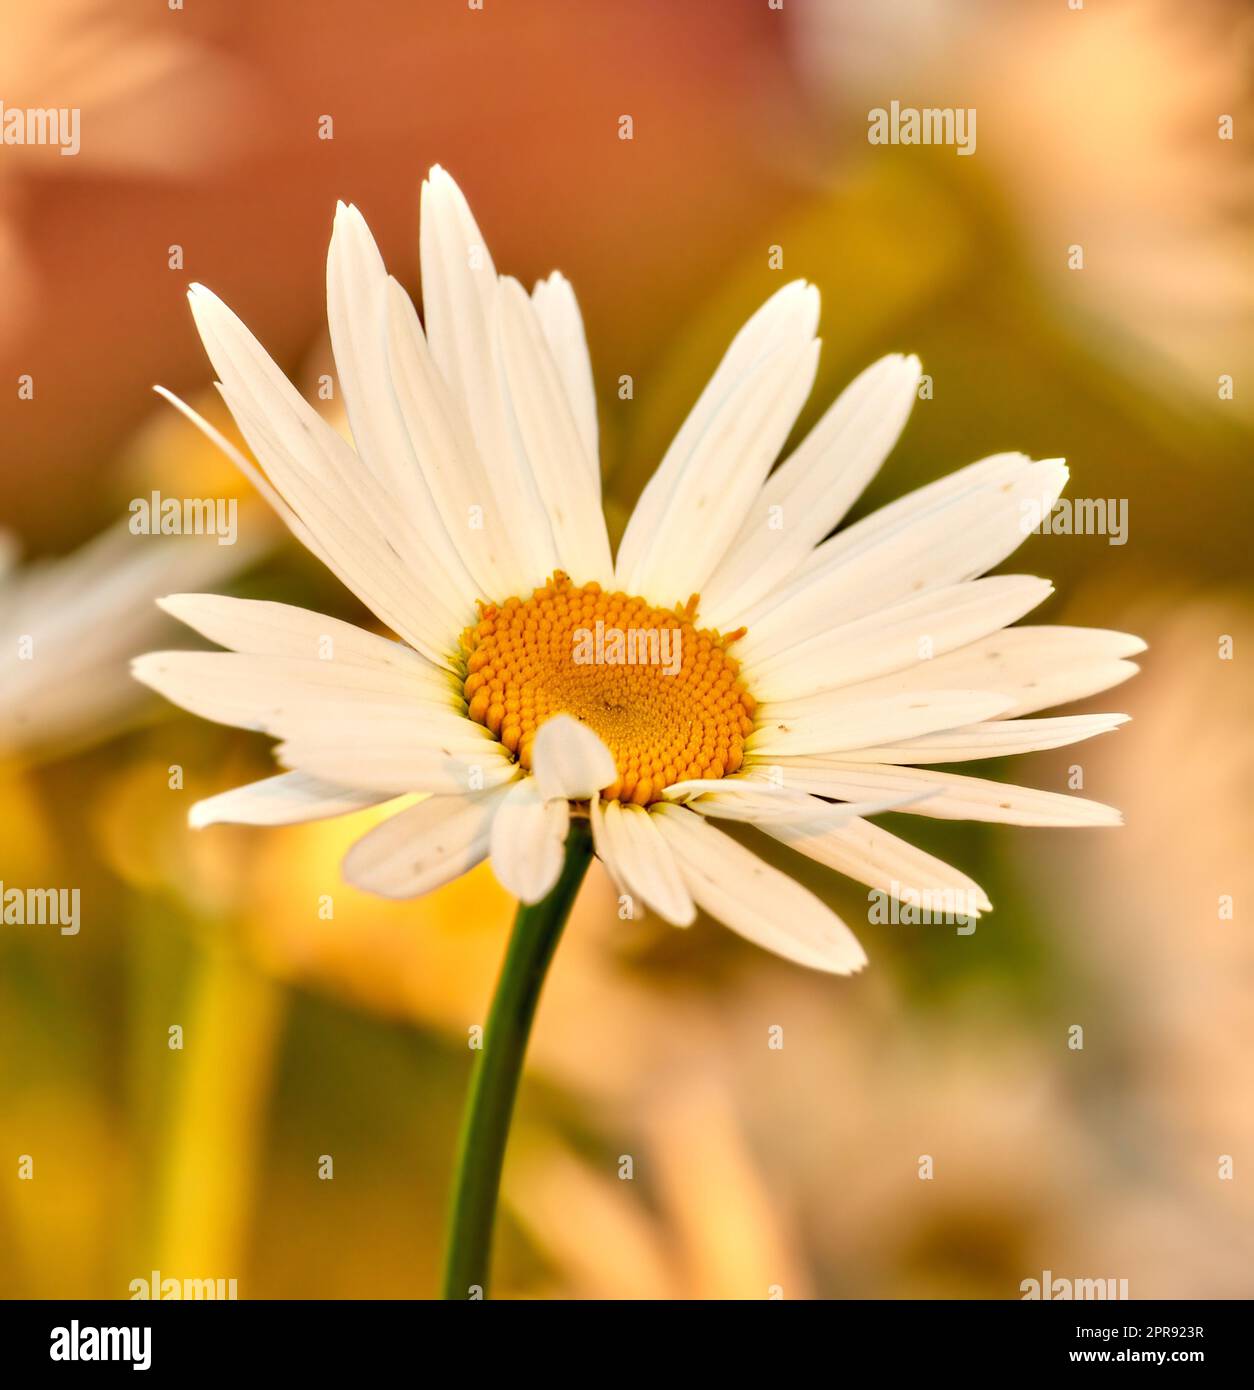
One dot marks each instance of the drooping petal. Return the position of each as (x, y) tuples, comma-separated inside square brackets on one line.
[(758, 902), (883, 861), (424, 846), (291, 798), (527, 841), (643, 863), (570, 760)]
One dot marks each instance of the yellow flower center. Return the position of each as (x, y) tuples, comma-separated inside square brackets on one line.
[(664, 695)]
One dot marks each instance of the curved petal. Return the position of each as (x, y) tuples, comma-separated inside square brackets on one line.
[(874, 856), (758, 902), (570, 760), (424, 846), (291, 798), (644, 864), (528, 836)]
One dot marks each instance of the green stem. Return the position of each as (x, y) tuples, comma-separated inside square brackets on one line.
[(485, 1123)]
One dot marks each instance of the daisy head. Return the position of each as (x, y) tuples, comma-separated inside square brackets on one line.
[(738, 658)]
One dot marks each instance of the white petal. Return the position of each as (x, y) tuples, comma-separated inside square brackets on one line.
[(425, 846), (643, 863), (863, 571), (783, 329), (444, 446), (291, 798), (999, 739), (897, 638), (262, 628), (357, 530), (528, 837), (558, 312), (357, 294), (1035, 666), (570, 760), (847, 722), (946, 795), (756, 799), (459, 291), (549, 438), (809, 493), (396, 758), (280, 695), (758, 902), (871, 855)]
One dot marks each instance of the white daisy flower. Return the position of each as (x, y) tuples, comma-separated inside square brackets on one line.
[(735, 660)]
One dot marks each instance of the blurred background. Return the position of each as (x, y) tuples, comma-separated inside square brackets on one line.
[(316, 1021)]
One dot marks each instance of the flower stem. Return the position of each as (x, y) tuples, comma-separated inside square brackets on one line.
[(486, 1121)]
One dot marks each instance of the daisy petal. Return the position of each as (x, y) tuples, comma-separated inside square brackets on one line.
[(723, 450), (448, 457), (944, 795), (339, 504), (424, 846), (758, 902), (846, 722), (643, 863), (570, 760), (860, 572), (459, 292), (280, 694), (558, 312), (1035, 667), (291, 798), (809, 493), (916, 631), (999, 739), (756, 800), (872, 855), (549, 437), (262, 628), (527, 840), (357, 295)]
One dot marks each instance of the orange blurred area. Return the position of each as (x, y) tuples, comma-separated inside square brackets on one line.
[(240, 1067)]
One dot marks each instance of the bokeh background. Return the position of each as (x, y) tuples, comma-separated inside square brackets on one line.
[(308, 1034)]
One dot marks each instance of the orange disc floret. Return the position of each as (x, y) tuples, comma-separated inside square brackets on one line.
[(664, 695)]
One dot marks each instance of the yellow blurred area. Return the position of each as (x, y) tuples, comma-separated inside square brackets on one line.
[(698, 1119)]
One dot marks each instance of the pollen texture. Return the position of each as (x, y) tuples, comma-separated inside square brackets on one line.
[(665, 696)]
